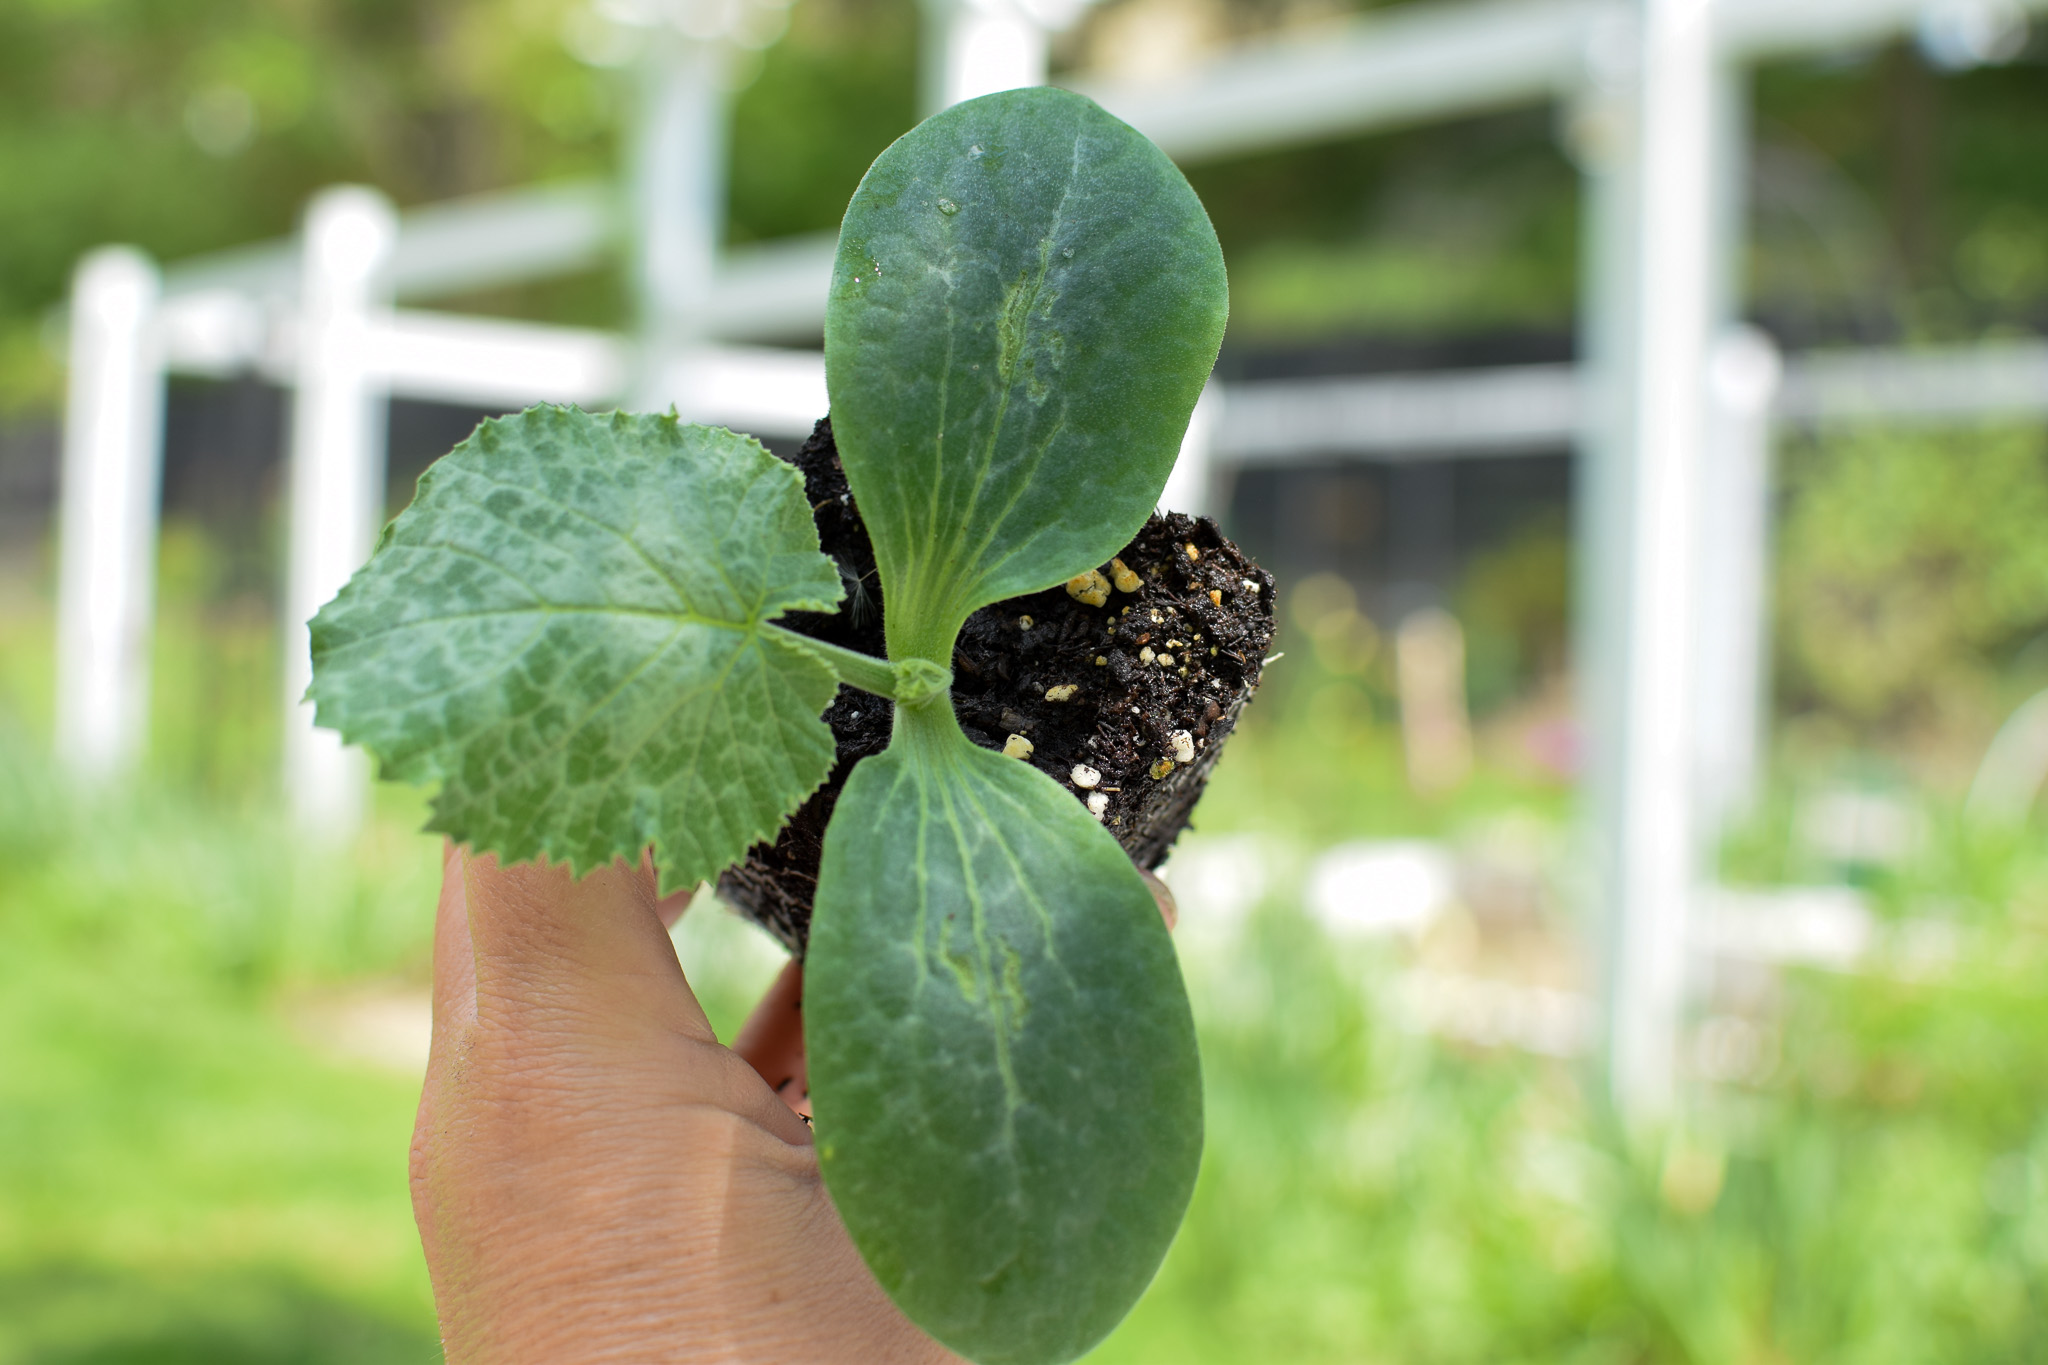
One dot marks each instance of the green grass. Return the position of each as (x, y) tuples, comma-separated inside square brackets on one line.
[(1372, 1196), (187, 1174), (182, 1175)]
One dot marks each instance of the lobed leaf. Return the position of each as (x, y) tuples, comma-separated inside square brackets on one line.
[(1027, 300), (568, 629), (1002, 1058)]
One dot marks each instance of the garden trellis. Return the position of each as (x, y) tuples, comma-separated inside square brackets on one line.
[(1671, 409)]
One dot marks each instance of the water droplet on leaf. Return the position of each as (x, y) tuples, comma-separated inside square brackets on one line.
[(948, 207)]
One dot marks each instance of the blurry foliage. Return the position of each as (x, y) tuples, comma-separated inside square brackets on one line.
[(182, 1176), (1318, 759), (1514, 602), (1911, 202), (189, 125), (1945, 167), (1875, 1190), (184, 125), (838, 88), (1455, 227), (1913, 567), (215, 685)]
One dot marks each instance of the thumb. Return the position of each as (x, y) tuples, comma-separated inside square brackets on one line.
[(555, 952)]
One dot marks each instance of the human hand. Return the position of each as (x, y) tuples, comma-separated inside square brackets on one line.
[(595, 1177)]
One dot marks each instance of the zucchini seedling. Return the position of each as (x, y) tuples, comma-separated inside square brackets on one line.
[(572, 631)]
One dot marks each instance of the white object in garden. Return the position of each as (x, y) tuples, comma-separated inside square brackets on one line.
[(1436, 726), (111, 473), (1218, 882), (1958, 35), (336, 475), (1855, 825), (1486, 1012), (1374, 888), (1816, 926), (2015, 767)]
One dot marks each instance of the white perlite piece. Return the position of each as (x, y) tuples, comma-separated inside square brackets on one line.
[(1183, 747), (1016, 746), (1098, 805), (1063, 692), (1085, 777), (1145, 655), (1166, 661), (1251, 587)]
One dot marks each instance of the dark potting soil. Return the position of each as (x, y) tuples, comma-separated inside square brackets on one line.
[(1180, 651)]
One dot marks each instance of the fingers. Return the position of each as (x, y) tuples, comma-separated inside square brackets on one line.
[(454, 957), (772, 1040), (670, 907), (588, 954), (1163, 896)]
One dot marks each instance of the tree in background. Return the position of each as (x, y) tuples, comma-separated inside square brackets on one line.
[(190, 125), (1913, 574)]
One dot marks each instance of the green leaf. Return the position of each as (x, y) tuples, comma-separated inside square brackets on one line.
[(1002, 1058), (1026, 303), (567, 629)]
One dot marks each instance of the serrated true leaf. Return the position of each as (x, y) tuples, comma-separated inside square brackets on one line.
[(1002, 1059), (568, 629), (1025, 305)]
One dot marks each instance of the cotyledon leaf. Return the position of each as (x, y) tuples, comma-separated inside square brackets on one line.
[(1026, 302), (1002, 1059), (569, 630)]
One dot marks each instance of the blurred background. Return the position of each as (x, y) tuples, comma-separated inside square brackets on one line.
[(1619, 933)]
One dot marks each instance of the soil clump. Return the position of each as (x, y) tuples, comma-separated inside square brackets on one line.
[(1127, 702)]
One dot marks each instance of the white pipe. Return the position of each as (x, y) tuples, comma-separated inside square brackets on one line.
[(1192, 486), (336, 475), (1600, 134), (495, 363), (1403, 65), (1671, 297), (1411, 63), (978, 47), (1999, 378), (475, 242), (1433, 414), (108, 520), (754, 389), (678, 203), (1732, 642)]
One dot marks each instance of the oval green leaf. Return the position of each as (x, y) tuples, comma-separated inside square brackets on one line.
[(568, 630), (1002, 1058), (1027, 300)]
